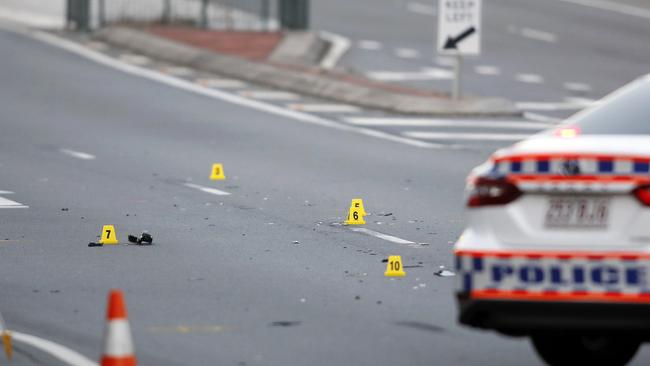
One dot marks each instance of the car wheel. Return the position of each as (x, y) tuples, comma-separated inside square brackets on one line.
[(593, 350)]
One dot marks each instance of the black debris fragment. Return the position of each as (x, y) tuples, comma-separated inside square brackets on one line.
[(385, 260), (92, 244), (144, 239), (65, 209), (285, 323), (357, 297), (385, 214)]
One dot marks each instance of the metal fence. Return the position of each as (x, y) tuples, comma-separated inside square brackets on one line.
[(254, 15)]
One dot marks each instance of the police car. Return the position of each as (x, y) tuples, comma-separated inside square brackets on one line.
[(557, 243)]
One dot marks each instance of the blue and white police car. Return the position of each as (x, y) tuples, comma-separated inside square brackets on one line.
[(557, 243)]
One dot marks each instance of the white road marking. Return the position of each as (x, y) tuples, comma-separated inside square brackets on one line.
[(616, 7), (7, 203), (269, 95), (529, 78), (465, 136), (430, 73), (135, 59), (408, 53), (366, 44), (542, 118), (62, 353), (177, 70), (222, 83), (419, 8), (77, 154), (207, 189), (339, 46), (577, 87), (568, 104), (538, 35), (325, 108), (379, 235), (218, 94), (487, 70), (6, 192), (424, 122)]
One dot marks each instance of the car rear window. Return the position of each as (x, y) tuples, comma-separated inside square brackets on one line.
[(626, 113)]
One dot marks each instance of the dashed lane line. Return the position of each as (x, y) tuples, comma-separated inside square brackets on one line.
[(218, 94), (425, 135), (577, 87), (487, 70), (530, 78), (408, 53), (325, 108), (369, 45), (538, 35), (7, 203), (62, 353), (424, 122), (612, 6), (382, 236), (77, 154), (207, 189), (422, 9)]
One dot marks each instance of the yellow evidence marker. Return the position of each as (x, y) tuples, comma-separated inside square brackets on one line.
[(358, 203), (356, 213), (217, 172), (109, 236), (6, 340), (394, 267)]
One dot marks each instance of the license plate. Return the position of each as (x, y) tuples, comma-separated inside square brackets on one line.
[(577, 212)]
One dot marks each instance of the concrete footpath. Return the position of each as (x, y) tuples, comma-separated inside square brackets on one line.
[(232, 57)]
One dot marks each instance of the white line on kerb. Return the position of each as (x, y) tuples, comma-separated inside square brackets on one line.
[(466, 136), (207, 189), (77, 154), (424, 122), (218, 94), (64, 354), (379, 235)]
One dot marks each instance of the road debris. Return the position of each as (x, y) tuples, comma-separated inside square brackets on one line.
[(144, 239), (296, 242), (443, 272), (93, 244), (285, 323), (385, 214)]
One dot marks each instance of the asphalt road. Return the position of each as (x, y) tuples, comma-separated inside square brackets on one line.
[(556, 54), (223, 268)]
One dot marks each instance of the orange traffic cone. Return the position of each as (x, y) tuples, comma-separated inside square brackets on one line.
[(118, 344)]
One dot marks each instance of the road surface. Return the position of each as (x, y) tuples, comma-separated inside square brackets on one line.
[(265, 275)]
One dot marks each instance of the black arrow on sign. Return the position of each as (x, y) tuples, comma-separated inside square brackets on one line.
[(453, 42)]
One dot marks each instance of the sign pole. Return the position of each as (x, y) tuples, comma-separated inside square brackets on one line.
[(455, 93)]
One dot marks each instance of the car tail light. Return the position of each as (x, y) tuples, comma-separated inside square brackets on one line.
[(492, 191), (642, 193), (568, 132)]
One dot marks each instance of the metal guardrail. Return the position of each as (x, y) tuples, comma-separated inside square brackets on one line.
[(253, 15)]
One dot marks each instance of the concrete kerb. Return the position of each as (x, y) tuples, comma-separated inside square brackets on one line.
[(300, 82)]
